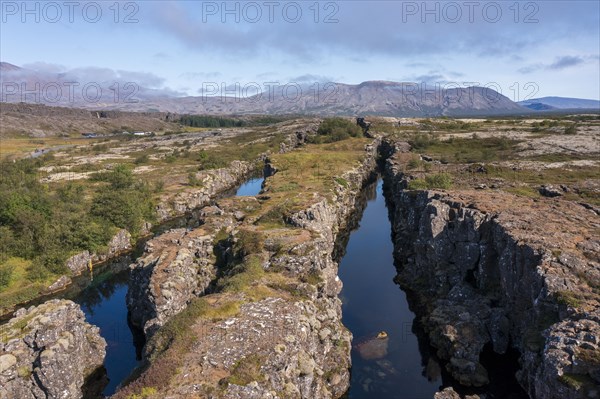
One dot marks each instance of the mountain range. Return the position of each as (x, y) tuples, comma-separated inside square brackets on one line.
[(553, 103), (384, 98)]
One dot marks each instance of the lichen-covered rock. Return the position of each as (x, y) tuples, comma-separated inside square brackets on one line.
[(572, 352), (119, 243), (79, 262), (450, 393), (175, 267), (447, 393), (47, 352), (548, 190), (59, 284)]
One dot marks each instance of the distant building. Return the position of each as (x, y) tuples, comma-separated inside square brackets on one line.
[(142, 133), (89, 135)]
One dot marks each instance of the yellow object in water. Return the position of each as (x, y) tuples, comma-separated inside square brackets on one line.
[(90, 265), (382, 335)]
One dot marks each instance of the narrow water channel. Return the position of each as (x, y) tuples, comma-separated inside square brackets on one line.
[(400, 363), (101, 295), (103, 303), (389, 367)]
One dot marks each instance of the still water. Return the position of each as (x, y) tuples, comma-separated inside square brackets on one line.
[(373, 303), (250, 188), (103, 303), (403, 365)]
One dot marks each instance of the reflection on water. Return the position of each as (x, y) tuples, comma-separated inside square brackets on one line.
[(393, 365), (103, 303), (399, 364), (250, 188), (101, 295)]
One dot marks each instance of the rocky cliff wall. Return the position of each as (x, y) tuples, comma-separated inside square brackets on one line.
[(495, 269), (175, 267), (48, 351)]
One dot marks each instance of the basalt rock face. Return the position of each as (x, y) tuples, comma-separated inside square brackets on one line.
[(48, 351), (175, 267), (505, 271)]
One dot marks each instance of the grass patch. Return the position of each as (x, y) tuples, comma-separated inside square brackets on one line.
[(576, 381), (313, 277), (442, 181), (342, 182), (314, 168), (245, 371), (464, 150), (568, 298), (242, 275), (524, 191)]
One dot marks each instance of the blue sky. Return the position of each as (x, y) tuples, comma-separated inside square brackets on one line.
[(525, 48)]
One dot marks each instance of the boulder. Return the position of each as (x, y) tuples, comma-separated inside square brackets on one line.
[(550, 191), (48, 351)]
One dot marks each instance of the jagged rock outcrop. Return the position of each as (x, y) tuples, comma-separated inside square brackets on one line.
[(48, 351), (289, 343), (502, 270), (176, 266), (450, 393)]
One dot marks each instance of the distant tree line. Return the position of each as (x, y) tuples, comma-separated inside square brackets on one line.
[(210, 121), (219, 121)]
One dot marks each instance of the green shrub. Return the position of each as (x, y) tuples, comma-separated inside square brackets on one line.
[(335, 129), (127, 209), (422, 141), (193, 180), (210, 160), (210, 121), (144, 158), (248, 242), (120, 177), (6, 272)]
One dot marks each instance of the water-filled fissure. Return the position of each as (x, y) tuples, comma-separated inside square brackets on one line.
[(391, 354)]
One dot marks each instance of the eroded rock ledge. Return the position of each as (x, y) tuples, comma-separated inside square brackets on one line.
[(48, 351), (493, 268), (283, 338), (176, 267)]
